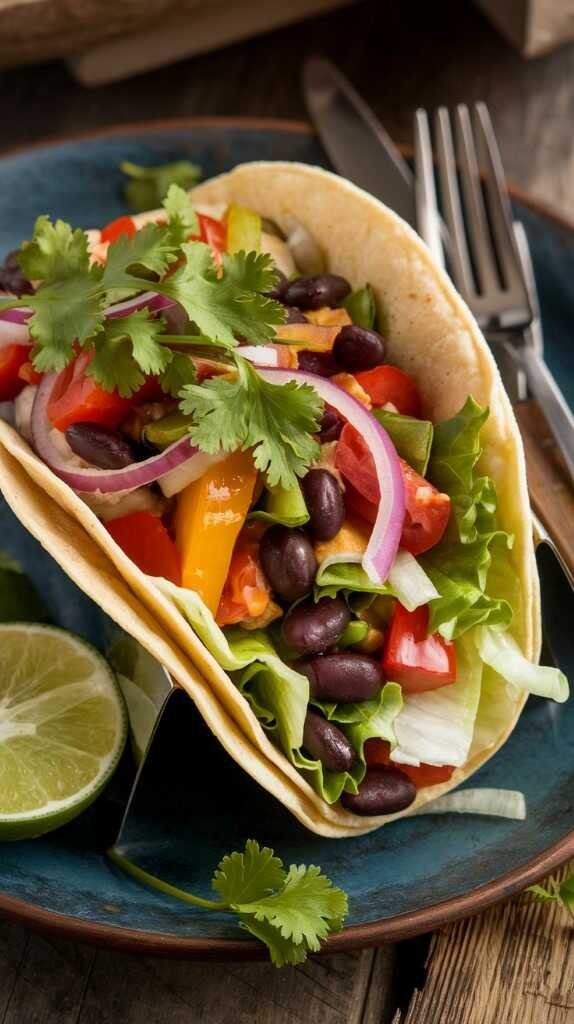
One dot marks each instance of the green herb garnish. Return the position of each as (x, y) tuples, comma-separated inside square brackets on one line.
[(223, 303), (148, 186), (290, 911), (556, 892)]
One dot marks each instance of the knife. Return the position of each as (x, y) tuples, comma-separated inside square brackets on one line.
[(355, 141)]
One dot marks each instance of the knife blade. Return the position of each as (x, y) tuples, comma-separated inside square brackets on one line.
[(356, 143)]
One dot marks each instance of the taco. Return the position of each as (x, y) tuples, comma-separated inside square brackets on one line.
[(282, 427)]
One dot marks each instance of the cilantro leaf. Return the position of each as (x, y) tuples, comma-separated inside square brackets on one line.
[(566, 893), (225, 306), (151, 247), (179, 372), (65, 311), (114, 368), (144, 332), (556, 892), (289, 911), (242, 877), (55, 251), (182, 218), (283, 952), (305, 909), (541, 893), (149, 185), (276, 420)]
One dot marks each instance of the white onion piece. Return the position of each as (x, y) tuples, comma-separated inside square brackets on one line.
[(103, 480), (178, 478), (13, 334), (386, 534), (260, 355)]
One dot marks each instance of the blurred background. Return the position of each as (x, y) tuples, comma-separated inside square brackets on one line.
[(74, 67)]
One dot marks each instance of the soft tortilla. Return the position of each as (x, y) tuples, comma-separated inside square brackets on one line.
[(431, 334)]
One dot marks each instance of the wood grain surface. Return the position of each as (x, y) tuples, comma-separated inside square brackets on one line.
[(514, 963)]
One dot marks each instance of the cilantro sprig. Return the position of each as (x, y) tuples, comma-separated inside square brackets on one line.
[(556, 892), (224, 303), (148, 186), (276, 421), (291, 911)]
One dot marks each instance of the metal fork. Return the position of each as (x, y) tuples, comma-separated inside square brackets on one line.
[(484, 259)]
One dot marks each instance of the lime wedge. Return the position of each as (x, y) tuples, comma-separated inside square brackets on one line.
[(63, 727)]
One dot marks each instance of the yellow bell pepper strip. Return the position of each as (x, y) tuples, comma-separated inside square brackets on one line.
[(243, 229), (327, 317), (209, 516)]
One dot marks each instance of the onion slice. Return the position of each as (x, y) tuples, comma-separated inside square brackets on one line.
[(103, 480), (386, 533), (13, 334)]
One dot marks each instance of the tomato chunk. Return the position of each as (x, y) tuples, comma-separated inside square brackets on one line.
[(12, 357), (29, 374), (116, 228), (76, 398), (414, 658), (245, 593), (144, 539), (427, 509), (214, 233), (389, 384), (379, 752)]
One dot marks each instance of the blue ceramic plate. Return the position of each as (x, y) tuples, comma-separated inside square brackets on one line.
[(402, 879)]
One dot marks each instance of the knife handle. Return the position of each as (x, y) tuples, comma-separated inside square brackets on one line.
[(545, 390), (551, 492)]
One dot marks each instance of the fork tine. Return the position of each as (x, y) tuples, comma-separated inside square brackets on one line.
[(497, 197), (428, 217), (474, 204), (459, 257)]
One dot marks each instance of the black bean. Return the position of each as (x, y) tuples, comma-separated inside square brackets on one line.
[(325, 503), (321, 363), (382, 791), (358, 348), (279, 289), (315, 292), (100, 446), (325, 742), (343, 677), (331, 426), (310, 628), (12, 277), (288, 561), (295, 316)]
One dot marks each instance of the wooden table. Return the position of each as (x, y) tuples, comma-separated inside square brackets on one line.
[(513, 963)]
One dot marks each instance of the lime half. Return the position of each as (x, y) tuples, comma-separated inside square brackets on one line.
[(63, 726)]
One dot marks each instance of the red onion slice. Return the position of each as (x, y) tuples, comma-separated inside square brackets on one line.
[(260, 355), (386, 534), (147, 300), (106, 481), (19, 315), (13, 334)]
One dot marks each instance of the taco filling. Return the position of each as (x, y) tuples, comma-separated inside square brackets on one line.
[(227, 407)]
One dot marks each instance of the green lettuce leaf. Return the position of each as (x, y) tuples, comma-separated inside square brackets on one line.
[(406, 581), (474, 549), (411, 437)]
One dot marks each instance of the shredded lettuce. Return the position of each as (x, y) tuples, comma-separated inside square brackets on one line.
[(436, 726), (474, 548), (498, 803), (501, 652), (407, 580)]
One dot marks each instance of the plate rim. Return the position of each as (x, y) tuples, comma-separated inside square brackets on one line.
[(352, 937)]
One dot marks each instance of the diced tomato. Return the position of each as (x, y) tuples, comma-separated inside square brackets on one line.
[(354, 460), (29, 374), (427, 509), (144, 539), (116, 228), (213, 232), (76, 398), (379, 752), (11, 359), (245, 594), (414, 658), (389, 384), (427, 512)]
